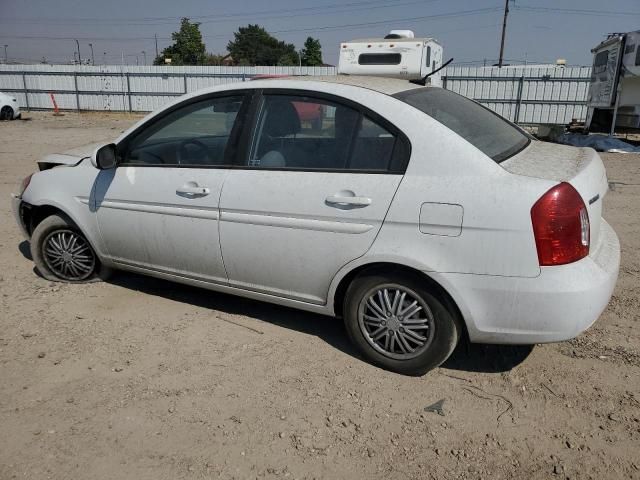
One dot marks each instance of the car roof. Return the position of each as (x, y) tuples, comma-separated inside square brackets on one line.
[(388, 86)]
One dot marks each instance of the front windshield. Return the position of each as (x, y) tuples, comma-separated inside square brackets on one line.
[(484, 129)]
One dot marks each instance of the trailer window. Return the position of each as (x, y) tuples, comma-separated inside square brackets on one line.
[(428, 61), (485, 130), (379, 59), (600, 62), (638, 56)]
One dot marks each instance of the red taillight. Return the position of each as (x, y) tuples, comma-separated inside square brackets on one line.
[(560, 226)]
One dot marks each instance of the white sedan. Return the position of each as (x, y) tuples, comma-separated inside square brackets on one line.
[(417, 215), (9, 108)]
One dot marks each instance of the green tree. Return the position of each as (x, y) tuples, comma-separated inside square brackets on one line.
[(312, 53), (214, 59), (253, 45), (188, 47)]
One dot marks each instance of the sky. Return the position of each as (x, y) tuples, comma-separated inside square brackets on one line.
[(538, 31)]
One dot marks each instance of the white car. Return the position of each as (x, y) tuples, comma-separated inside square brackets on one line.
[(9, 108), (416, 214)]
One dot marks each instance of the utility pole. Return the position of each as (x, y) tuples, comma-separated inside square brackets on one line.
[(78, 45), (6, 59), (504, 31), (144, 55), (93, 62), (156, 37)]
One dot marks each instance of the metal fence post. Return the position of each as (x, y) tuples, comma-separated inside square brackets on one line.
[(129, 91), (26, 90), (185, 82), (519, 99), (75, 83), (444, 82)]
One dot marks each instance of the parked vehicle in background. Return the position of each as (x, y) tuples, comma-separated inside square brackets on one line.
[(417, 215), (9, 108), (397, 55), (614, 93)]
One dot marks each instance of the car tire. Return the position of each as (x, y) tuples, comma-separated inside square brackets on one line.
[(62, 253), (6, 113), (411, 343)]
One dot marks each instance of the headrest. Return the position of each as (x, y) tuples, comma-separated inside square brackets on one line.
[(282, 118)]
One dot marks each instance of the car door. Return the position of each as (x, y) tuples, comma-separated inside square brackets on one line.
[(158, 209), (310, 195)]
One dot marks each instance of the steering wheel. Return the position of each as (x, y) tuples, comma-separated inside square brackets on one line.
[(183, 154)]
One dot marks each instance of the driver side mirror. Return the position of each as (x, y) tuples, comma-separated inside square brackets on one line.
[(104, 157)]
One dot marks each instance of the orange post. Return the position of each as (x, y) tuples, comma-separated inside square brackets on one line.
[(56, 110)]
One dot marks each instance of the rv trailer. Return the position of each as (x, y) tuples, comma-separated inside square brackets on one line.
[(614, 93), (399, 55)]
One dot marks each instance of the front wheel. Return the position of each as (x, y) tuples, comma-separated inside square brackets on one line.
[(6, 113), (400, 324), (62, 253)]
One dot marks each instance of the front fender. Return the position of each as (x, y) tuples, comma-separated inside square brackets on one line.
[(70, 190)]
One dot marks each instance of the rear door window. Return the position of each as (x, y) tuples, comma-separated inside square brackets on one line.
[(307, 133)]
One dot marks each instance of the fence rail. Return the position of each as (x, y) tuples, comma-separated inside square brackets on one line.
[(525, 95)]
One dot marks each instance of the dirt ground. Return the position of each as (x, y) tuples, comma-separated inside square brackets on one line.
[(144, 379)]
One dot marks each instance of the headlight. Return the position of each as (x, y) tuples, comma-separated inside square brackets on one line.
[(24, 184)]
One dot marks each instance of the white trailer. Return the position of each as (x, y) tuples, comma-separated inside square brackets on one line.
[(397, 55), (614, 92)]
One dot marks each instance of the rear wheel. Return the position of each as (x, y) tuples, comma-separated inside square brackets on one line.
[(62, 253), (399, 323), (6, 113)]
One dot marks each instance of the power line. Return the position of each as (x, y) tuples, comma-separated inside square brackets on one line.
[(576, 11), (214, 18), (479, 11), (436, 32)]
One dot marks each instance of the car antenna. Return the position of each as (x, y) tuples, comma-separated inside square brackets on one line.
[(423, 81)]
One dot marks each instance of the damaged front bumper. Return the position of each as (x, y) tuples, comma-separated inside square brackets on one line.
[(18, 206)]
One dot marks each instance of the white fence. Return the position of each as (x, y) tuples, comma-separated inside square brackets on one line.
[(127, 88), (524, 95)]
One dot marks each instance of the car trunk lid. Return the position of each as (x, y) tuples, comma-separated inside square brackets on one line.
[(581, 167)]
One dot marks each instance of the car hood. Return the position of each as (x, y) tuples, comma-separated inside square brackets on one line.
[(68, 157)]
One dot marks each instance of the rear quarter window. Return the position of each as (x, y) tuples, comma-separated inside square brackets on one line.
[(493, 135)]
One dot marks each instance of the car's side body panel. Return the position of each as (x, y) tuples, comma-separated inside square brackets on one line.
[(280, 235), (480, 248), (144, 222)]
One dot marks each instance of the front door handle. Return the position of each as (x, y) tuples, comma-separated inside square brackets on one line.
[(347, 198), (192, 190)]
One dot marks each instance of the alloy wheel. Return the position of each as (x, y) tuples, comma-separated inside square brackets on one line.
[(68, 255), (396, 322)]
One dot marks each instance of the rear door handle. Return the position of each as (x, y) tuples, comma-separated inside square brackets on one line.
[(192, 190), (346, 200)]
